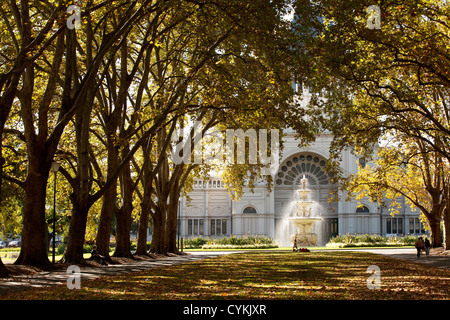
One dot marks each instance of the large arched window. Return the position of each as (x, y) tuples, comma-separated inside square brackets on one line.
[(312, 166), (362, 209), (249, 209)]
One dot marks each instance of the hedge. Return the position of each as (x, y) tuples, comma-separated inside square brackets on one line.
[(232, 242), (370, 240)]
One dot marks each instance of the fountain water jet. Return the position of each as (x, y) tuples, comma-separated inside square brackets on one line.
[(303, 220)]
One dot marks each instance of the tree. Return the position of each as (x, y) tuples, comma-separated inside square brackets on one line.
[(405, 170), (25, 38), (446, 213), (149, 31), (87, 165), (65, 94), (385, 76), (241, 80), (21, 48), (217, 62), (10, 212), (373, 82), (117, 118), (368, 81)]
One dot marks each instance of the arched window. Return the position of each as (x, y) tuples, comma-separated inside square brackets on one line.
[(249, 209), (295, 167), (362, 209)]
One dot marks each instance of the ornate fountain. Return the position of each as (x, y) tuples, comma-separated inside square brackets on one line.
[(303, 220)]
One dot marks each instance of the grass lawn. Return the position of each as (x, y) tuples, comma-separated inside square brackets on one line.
[(265, 275), (57, 257), (310, 248)]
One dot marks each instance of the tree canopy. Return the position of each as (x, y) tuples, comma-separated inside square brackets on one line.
[(369, 84), (104, 94)]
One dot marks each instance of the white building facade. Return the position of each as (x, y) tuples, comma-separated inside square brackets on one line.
[(211, 212)]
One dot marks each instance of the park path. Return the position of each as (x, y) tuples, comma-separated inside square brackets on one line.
[(437, 261), (44, 279)]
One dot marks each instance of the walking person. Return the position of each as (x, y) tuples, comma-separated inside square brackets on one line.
[(427, 246), (295, 248), (419, 246)]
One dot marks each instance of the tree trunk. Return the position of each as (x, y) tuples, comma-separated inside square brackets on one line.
[(2, 160), (436, 236), (158, 237), (141, 247), (33, 251), (446, 212), (74, 249), (109, 206), (81, 185), (104, 228), (446, 217), (172, 222), (3, 271), (146, 203), (123, 217)]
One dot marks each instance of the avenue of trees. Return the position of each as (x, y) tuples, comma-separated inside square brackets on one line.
[(107, 94), (105, 98)]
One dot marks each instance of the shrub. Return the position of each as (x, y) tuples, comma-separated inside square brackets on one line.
[(87, 248), (61, 248), (369, 240), (245, 246), (194, 243), (408, 240), (244, 242)]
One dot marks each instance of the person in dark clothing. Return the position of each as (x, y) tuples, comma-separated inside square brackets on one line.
[(419, 246), (295, 248), (427, 246), (97, 256)]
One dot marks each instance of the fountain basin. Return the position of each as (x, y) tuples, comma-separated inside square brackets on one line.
[(304, 235), (304, 224)]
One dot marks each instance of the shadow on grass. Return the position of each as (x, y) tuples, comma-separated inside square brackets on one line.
[(266, 275)]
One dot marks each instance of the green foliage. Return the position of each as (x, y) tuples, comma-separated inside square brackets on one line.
[(370, 240), (194, 243), (87, 248), (244, 240), (10, 218), (60, 249), (10, 211), (232, 242), (9, 249), (377, 80)]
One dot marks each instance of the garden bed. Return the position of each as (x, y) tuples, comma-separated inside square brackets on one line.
[(370, 240), (244, 246), (233, 242)]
